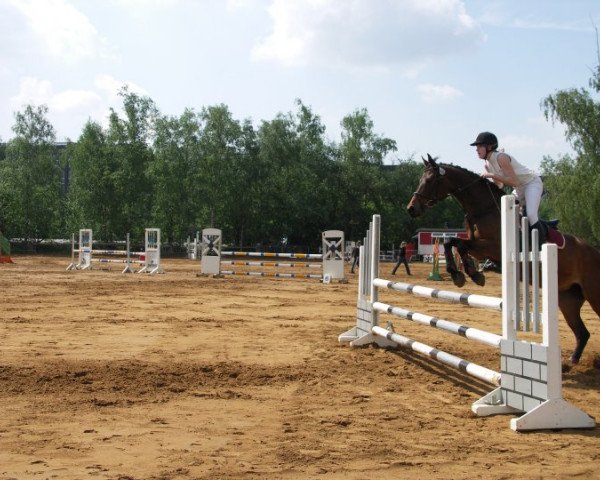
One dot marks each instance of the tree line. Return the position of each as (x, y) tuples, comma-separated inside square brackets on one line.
[(281, 182)]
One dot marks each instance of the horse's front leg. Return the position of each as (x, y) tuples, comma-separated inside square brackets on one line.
[(470, 268), (463, 247), (457, 276)]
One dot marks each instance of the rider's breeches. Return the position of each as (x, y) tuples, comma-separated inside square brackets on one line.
[(531, 194)]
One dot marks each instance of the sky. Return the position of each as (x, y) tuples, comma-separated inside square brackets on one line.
[(430, 73)]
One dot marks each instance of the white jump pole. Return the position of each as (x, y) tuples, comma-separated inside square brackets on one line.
[(477, 371), (127, 268), (72, 265), (470, 299)]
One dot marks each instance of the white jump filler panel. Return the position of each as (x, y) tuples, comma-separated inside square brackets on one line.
[(333, 254), (152, 251), (210, 263), (84, 253)]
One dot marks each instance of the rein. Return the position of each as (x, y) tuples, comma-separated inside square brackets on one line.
[(466, 187), (488, 186)]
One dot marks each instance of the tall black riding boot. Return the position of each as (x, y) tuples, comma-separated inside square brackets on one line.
[(542, 231)]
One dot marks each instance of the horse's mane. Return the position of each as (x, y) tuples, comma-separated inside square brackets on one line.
[(495, 189)]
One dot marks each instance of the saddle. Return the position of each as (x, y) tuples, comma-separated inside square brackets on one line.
[(553, 234)]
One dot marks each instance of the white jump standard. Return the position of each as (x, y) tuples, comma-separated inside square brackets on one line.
[(152, 252), (530, 377), (332, 258), (149, 258)]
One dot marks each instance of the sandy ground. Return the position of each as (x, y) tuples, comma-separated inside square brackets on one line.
[(104, 375)]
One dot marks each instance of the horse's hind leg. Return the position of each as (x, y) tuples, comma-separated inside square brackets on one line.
[(570, 302), (590, 289)]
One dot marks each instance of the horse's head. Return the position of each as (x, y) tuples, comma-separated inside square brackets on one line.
[(433, 187)]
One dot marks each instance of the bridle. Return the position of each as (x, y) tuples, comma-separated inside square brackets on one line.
[(429, 202)]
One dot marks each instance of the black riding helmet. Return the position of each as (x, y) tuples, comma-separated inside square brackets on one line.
[(486, 138)]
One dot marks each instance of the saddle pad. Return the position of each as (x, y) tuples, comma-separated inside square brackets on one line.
[(555, 236)]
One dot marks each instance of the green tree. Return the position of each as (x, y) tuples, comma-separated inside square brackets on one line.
[(579, 112), (30, 177), (92, 199), (3, 189), (245, 209), (296, 196), (566, 199), (361, 188), (173, 174), (282, 182), (314, 197), (129, 141), (277, 161), (221, 190)]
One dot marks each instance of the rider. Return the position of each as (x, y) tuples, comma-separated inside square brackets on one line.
[(503, 169)]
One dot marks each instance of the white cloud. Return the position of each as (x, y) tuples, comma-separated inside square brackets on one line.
[(358, 33), (495, 16), (37, 92), (536, 24), (520, 142), (70, 100), (141, 10), (70, 109), (64, 31), (32, 91), (145, 4), (234, 5), (438, 93), (111, 87), (540, 140)]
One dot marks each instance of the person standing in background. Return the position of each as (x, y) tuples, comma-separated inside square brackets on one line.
[(402, 259), (355, 255)]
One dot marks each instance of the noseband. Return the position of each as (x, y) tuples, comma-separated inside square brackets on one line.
[(428, 201)]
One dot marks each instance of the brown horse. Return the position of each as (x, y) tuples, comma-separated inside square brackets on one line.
[(578, 262)]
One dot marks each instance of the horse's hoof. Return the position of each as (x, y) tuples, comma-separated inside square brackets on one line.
[(574, 359), (478, 278), (565, 367), (458, 278)]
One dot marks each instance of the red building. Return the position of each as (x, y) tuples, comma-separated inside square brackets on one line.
[(426, 238)]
